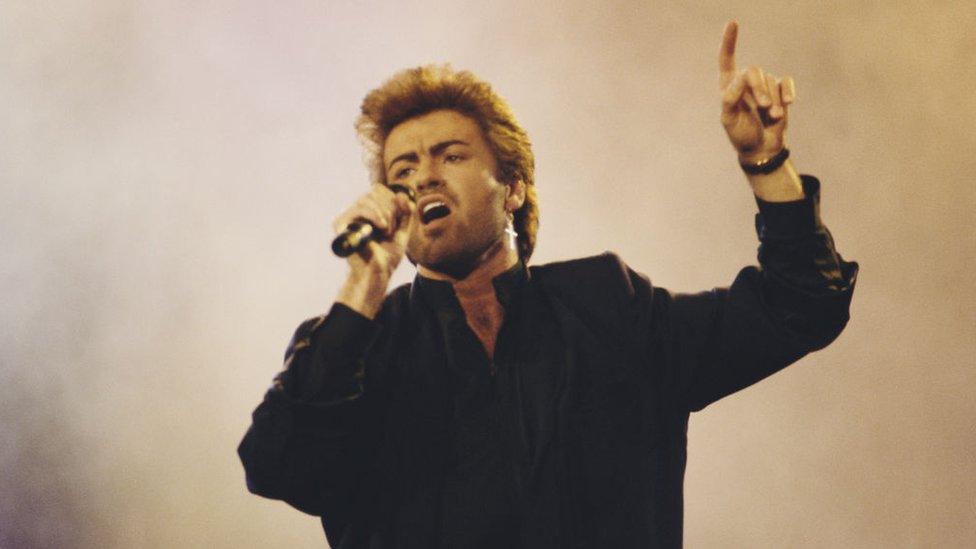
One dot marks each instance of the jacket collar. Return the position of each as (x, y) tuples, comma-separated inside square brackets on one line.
[(440, 297)]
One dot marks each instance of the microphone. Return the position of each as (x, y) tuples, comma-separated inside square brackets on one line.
[(358, 233)]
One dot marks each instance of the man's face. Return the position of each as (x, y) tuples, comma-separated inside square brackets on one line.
[(445, 158)]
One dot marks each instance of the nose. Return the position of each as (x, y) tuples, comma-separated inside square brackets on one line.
[(427, 177)]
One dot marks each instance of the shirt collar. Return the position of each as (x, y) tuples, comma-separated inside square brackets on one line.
[(439, 294)]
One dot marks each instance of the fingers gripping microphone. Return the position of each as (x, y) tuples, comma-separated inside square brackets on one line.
[(358, 233)]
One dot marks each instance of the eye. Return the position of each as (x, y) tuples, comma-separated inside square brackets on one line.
[(453, 158), (403, 172)]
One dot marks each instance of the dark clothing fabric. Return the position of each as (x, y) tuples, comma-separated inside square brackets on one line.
[(500, 407), (401, 432)]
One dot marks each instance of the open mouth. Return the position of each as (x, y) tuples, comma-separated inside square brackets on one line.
[(434, 210)]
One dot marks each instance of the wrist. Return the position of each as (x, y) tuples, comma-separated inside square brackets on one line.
[(763, 162), (780, 185), (364, 291)]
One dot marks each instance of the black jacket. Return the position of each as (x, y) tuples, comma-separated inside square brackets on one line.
[(356, 429)]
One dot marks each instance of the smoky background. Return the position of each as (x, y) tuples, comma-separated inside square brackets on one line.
[(168, 172)]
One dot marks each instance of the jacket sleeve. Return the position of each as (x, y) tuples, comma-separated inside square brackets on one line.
[(714, 343), (311, 436)]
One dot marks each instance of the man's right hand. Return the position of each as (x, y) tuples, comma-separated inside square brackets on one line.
[(370, 270)]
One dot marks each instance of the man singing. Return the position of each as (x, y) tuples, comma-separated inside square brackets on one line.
[(490, 404)]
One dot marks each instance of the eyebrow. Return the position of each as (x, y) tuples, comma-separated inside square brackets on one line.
[(434, 151)]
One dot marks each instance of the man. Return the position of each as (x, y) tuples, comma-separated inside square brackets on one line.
[(489, 404)]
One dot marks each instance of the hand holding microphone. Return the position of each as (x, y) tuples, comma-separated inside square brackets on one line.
[(373, 253), (360, 231)]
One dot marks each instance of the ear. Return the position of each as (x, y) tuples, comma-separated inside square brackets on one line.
[(514, 195)]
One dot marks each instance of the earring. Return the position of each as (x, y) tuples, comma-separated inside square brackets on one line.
[(510, 227)]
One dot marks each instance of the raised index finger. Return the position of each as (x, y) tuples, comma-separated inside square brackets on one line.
[(726, 55)]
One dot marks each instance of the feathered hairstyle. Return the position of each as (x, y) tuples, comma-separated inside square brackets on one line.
[(417, 91)]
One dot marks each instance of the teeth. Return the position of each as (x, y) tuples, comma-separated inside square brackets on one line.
[(432, 205)]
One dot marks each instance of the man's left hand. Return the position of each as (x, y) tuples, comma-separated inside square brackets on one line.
[(755, 104)]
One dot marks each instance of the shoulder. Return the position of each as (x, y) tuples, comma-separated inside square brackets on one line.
[(592, 265), (605, 273), (397, 303), (600, 288)]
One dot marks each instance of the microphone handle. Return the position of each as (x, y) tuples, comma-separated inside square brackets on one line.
[(359, 232)]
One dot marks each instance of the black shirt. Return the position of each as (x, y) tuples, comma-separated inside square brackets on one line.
[(397, 434), (495, 423)]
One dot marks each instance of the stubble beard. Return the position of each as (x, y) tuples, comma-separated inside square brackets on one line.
[(459, 253)]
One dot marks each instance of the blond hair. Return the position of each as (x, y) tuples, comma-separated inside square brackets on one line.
[(417, 91)]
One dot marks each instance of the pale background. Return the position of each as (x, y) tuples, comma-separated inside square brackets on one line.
[(169, 171)]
